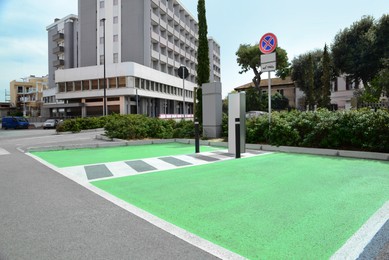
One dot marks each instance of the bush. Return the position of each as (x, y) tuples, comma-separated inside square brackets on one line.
[(356, 130)]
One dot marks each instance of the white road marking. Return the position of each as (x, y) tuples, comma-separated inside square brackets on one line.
[(3, 151), (357, 243)]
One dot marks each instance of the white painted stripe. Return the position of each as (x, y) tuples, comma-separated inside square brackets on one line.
[(3, 151), (159, 164), (120, 169), (357, 243), (192, 239)]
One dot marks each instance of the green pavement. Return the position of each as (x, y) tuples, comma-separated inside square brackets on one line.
[(75, 157), (275, 206)]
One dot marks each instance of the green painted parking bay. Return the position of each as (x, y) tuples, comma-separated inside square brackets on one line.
[(273, 206), (75, 157)]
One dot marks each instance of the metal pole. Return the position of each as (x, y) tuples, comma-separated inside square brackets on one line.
[(104, 83), (197, 136), (269, 97), (137, 101), (237, 138), (183, 85)]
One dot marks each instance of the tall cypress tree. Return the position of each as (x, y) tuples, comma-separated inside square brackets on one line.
[(202, 57), (310, 81), (326, 79)]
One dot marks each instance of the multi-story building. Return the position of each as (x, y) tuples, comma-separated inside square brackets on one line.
[(130, 50), (214, 60), (26, 95)]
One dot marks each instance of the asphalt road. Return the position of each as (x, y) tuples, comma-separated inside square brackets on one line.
[(44, 215)]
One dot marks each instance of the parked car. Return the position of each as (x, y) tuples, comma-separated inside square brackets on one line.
[(251, 114), (50, 123), (14, 122)]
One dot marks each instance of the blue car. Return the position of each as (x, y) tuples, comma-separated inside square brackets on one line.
[(14, 122)]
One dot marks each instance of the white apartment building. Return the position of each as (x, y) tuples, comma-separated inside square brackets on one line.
[(137, 46)]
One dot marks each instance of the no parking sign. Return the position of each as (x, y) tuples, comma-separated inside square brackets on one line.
[(268, 43)]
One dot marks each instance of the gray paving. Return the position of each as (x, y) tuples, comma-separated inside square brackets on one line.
[(379, 245), (175, 161), (97, 172), (140, 166), (204, 157), (44, 215)]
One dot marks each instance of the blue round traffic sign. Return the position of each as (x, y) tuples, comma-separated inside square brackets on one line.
[(268, 43)]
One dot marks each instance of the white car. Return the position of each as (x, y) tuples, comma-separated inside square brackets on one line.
[(50, 123)]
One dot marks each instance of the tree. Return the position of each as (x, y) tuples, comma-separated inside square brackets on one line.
[(202, 57), (279, 101), (354, 53), (307, 71), (325, 100), (255, 102), (249, 58), (309, 87)]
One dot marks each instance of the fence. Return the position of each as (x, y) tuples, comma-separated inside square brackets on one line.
[(383, 104)]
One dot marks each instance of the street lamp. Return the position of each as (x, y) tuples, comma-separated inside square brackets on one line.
[(104, 83)]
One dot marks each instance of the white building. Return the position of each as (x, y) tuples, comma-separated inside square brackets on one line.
[(143, 42)]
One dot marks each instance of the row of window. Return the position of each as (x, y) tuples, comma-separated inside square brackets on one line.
[(120, 82), (102, 3), (94, 84), (161, 88)]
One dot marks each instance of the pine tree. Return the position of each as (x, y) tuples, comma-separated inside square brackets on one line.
[(202, 57)]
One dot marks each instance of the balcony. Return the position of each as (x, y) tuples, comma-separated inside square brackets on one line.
[(58, 50), (58, 37), (58, 63), (154, 19), (154, 55)]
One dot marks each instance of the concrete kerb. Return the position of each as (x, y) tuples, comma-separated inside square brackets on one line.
[(287, 149)]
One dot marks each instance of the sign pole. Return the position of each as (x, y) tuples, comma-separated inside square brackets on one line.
[(183, 86), (269, 97)]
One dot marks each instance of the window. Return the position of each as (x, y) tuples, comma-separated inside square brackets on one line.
[(101, 4), (115, 2), (115, 20), (116, 58), (335, 85), (101, 59), (101, 40), (115, 38)]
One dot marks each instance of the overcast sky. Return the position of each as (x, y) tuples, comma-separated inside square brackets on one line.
[(299, 25)]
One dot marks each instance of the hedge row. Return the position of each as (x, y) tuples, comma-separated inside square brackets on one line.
[(131, 127), (353, 130)]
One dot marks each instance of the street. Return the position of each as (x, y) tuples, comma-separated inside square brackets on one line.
[(44, 215)]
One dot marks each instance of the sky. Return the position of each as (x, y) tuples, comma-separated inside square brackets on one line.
[(300, 26)]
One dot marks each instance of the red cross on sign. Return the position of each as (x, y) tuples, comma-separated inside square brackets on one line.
[(268, 43)]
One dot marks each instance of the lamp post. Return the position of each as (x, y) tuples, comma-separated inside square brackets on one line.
[(104, 83)]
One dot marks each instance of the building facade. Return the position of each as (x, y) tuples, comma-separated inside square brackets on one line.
[(26, 96), (342, 92), (130, 50), (285, 87)]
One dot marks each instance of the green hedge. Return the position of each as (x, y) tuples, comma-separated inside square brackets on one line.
[(355, 130), (131, 127)]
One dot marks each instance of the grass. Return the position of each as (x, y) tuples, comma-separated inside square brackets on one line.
[(273, 206), (67, 158)]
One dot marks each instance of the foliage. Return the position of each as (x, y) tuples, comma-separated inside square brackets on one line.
[(255, 101), (131, 127), (78, 124), (325, 98), (355, 130), (354, 51), (203, 69), (249, 58), (279, 102)]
